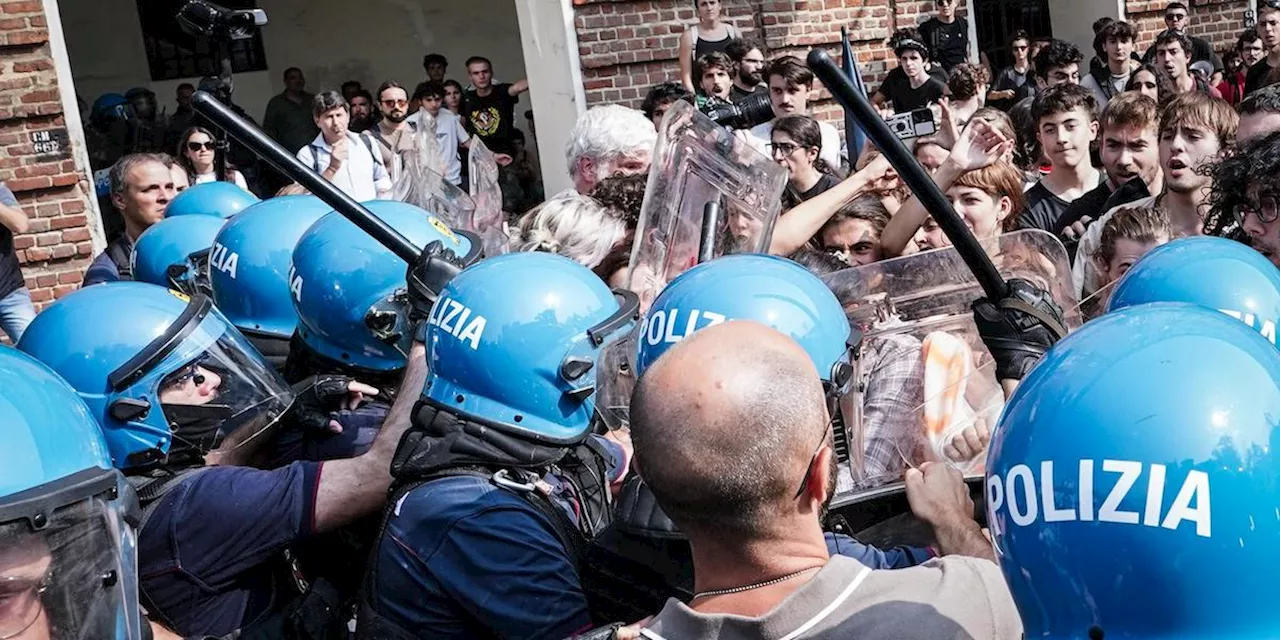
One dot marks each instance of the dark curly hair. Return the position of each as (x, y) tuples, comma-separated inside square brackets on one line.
[(966, 79), (1055, 55), (622, 196), (1252, 164)]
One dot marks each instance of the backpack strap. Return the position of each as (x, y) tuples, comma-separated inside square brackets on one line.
[(121, 255)]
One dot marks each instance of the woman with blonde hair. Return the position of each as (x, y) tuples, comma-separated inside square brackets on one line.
[(572, 225)]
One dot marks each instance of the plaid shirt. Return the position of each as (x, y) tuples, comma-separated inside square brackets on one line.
[(891, 381)]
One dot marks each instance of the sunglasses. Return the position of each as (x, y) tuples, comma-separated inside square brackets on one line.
[(196, 146), (1175, 17), (395, 103)]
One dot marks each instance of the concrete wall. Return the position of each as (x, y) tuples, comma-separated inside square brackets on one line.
[(330, 40), (1073, 20)]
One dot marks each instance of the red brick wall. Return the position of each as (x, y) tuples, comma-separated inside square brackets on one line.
[(1218, 21), (50, 188), (626, 46)]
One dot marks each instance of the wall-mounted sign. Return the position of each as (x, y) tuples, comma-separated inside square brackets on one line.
[(51, 142)]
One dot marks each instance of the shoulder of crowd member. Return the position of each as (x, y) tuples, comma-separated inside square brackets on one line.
[(968, 592)]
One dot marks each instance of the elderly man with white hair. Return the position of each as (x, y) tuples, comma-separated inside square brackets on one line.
[(608, 141)]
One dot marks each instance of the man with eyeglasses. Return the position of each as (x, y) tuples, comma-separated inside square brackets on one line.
[(1246, 195), (1176, 20), (947, 35), (748, 74), (1269, 30), (761, 563)]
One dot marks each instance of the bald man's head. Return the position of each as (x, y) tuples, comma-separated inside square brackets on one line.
[(725, 426)]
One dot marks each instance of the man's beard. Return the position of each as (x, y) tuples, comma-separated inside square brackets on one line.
[(750, 79), (393, 119)]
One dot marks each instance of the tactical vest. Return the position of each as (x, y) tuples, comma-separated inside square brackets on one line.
[(582, 465), (307, 610)]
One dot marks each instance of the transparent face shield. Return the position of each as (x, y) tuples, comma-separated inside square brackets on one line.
[(924, 383), (191, 276), (616, 379), (695, 164), (62, 572)]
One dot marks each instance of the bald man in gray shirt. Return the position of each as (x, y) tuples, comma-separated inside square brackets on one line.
[(761, 565)]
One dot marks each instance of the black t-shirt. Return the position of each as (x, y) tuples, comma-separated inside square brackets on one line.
[(10, 270), (948, 43), (1256, 76), (1043, 209), (491, 117), (897, 88), (736, 95), (823, 185)]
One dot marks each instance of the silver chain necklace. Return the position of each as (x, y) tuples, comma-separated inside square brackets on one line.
[(754, 586)]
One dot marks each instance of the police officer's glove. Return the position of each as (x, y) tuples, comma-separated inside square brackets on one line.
[(315, 400), (427, 277), (1019, 328)]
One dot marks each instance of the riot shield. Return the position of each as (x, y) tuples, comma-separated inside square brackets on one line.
[(421, 181), (927, 388), (487, 219), (697, 162)]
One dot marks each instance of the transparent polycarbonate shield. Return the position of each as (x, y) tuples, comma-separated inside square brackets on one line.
[(487, 218), (697, 162), (421, 181), (927, 386), (615, 380)]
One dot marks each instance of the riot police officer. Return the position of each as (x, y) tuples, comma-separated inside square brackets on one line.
[(177, 389), (499, 484), (68, 564), (170, 252)]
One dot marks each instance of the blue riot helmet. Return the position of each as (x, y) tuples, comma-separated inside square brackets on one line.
[(349, 290), (513, 343), (68, 564), (1212, 272), (222, 199), (168, 377), (109, 107), (249, 268), (169, 253), (1133, 480)]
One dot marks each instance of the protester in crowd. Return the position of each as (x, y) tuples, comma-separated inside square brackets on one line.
[(1244, 195), (1116, 40), (1269, 31), (1058, 62), (344, 158), (714, 78), (451, 136), (790, 82), (930, 154), (1014, 83), (147, 126), (182, 117), (16, 308), (796, 143), (711, 34), (362, 112), (748, 68), (288, 119), (760, 558), (1126, 237), (395, 132), (198, 153), (888, 187), (181, 179), (1194, 131), (909, 86), (489, 109), (1231, 86), (609, 140), (1098, 61), (1259, 114), (1066, 126), (453, 94), (349, 90), (1171, 55), (622, 196), (853, 233), (1130, 153), (804, 222), (1177, 20), (985, 198), (572, 225), (946, 35), (435, 66), (141, 188), (1151, 82), (968, 85), (1248, 52), (661, 97)]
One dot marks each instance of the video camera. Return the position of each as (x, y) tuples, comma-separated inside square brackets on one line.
[(750, 111), (201, 18), (913, 124)]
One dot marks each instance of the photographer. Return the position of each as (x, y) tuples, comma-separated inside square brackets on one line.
[(790, 82)]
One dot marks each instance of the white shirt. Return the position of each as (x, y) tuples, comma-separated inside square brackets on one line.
[(362, 176), (761, 136), (450, 134), (236, 177)]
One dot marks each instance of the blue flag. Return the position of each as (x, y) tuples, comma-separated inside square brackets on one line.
[(853, 135)]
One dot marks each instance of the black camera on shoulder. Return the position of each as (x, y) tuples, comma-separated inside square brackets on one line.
[(205, 19), (746, 113)]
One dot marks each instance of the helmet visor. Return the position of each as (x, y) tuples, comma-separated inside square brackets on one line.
[(226, 396), (616, 380), (67, 578)]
